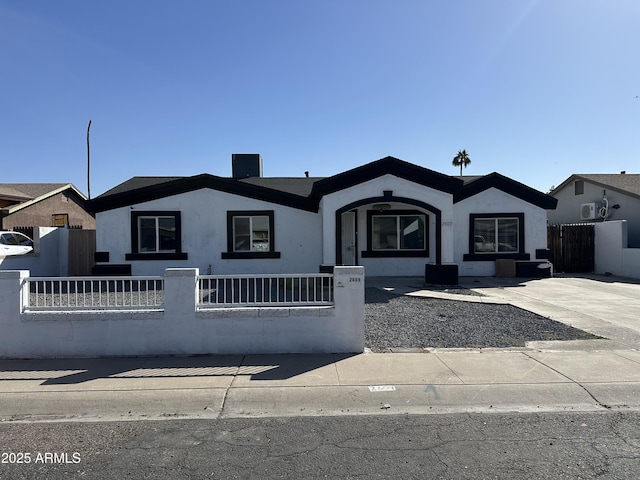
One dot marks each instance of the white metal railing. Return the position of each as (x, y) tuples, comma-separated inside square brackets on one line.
[(265, 290), (94, 293)]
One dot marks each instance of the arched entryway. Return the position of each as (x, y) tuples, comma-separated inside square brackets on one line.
[(346, 214)]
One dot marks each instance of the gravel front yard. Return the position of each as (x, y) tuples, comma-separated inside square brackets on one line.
[(398, 321)]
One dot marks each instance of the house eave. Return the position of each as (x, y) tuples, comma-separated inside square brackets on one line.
[(386, 166), (198, 182), (605, 186), (509, 186), (15, 208)]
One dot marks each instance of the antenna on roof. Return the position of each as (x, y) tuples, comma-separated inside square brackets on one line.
[(88, 164)]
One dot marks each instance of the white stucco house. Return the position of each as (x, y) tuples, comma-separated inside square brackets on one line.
[(390, 216), (590, 198)]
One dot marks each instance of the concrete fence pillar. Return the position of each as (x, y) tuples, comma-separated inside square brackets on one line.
[(348, 288), (610, 239), (13, 298), (180, 292)]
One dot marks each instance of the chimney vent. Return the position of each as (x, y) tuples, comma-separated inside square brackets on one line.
[(245, 165)]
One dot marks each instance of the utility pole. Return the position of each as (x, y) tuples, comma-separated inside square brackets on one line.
[(88, 164)]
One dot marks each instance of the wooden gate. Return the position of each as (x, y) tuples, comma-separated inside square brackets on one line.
[(572, 247), (82, 247)]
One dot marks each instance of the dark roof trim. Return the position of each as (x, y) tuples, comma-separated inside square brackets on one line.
[(507, 185), (197, 182), (387, 165)]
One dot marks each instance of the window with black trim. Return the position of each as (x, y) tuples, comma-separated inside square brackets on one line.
[(493, 236), (397, 233), (250, 234), (156, 235)]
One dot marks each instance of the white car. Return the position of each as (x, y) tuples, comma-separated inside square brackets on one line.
[(14, 243)]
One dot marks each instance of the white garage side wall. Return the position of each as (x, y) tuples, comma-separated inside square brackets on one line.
[(298, 235), (400, 188), (494, 201)]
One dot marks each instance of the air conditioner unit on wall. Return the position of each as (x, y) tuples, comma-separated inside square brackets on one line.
[(588, 211)]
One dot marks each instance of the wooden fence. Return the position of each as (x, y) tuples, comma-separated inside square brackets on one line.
[(572, 247), (81, 248), (28, 231)]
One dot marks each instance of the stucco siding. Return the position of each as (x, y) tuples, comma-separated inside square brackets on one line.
[(304, 240), (393, 266), (374, 189), (494, 201), (39, 214), (569, 204), (297, 235)]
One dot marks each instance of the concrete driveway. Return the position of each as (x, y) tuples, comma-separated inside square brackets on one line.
[(606, 306), (603, 305)]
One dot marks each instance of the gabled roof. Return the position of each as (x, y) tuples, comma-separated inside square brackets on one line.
[(301, 186), (305, 193), (475, 185), (627, 183), (387, 165), (13, 195), (26, 194), (135, 183), (144, 189)]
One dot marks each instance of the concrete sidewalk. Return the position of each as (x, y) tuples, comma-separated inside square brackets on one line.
[(285, 385), (544, 376)]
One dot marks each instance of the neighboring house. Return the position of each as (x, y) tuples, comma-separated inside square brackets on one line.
[(390, 216), (588, 198), (43, 205)]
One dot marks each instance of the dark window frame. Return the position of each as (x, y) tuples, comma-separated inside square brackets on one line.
[(371, 253), (487, 257), (578, 187), (230, 254), (137, 255)]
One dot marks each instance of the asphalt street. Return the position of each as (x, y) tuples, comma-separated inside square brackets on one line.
[(458, 446)]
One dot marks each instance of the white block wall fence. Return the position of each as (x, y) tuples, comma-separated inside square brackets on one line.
[(612, 254), (318, 314)]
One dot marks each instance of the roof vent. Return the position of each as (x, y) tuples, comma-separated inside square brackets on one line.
[(246, 165)]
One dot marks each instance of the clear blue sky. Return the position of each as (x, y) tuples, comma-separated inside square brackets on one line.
[(533, 89)]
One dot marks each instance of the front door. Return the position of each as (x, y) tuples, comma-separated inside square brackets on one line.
[(349, 239)]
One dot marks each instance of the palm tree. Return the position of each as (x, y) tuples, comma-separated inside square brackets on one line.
[(461, 160)]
